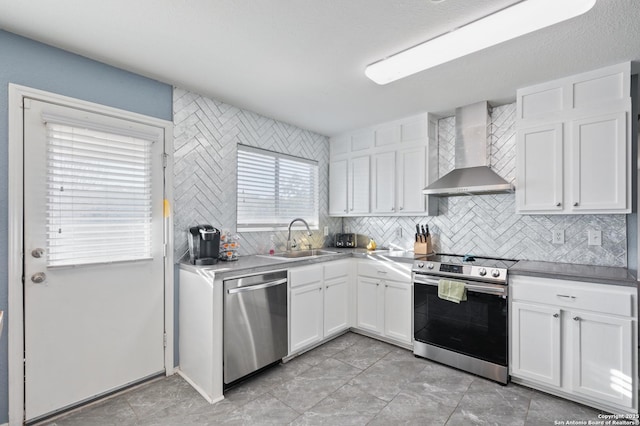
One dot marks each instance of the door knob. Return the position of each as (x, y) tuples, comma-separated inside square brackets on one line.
[(556, 315), (38, 277), (575, 204), (37, 253)]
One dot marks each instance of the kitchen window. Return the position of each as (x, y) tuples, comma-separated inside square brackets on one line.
[(274, 188)]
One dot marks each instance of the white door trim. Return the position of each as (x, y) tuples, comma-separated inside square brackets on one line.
[(15, 232)]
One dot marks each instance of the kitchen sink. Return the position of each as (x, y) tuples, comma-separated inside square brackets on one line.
[(300, 254)]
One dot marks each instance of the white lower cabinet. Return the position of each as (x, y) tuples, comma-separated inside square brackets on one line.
[(306, 316), (319, 303), (336, 302), (535, 343), (397, 310), (577, 340), (383, 297)]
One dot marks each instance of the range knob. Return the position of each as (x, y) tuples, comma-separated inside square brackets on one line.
[(420, 265), (495, 273), (482, 272), (430, 266)]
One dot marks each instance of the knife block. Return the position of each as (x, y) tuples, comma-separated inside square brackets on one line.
[(423, 248)]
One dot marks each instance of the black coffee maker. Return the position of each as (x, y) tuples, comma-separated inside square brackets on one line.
[(204, 245)]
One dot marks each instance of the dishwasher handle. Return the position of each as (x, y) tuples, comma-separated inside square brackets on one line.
[(256, 286)]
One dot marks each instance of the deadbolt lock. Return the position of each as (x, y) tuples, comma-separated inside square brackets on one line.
[(37, 253)]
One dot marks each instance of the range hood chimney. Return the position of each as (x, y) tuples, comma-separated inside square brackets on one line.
[(472, 174)]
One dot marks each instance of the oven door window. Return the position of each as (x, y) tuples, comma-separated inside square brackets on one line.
[(477, 327)]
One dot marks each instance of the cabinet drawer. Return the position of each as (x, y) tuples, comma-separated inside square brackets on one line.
[(336, 269), (609, 299), (305, 275), (387, 270)]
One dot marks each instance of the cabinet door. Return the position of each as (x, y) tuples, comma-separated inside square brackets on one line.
[(411, 180), (336, 305), (383, 182), (306, 316), (359, 185), (540, 169), (535, 343), (397, 311), (369, 305), (602, 357), (338, 188), (599, 165)]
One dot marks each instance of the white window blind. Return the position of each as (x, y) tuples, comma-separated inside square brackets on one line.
[(99, 206), (275, 188)]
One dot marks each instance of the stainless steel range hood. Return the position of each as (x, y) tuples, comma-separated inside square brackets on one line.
[(472, 174)]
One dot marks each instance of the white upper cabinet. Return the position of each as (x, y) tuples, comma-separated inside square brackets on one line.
[(383, 182), (381, 171), (338, 179), (540, 168), (598, 163), (358, 185), (574, 144)]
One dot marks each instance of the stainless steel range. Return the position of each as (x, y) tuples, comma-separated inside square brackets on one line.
[(471, 335)]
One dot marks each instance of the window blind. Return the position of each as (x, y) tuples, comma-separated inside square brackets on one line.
[(274, 188), (99, 206)]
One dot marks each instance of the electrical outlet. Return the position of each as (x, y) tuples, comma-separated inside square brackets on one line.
[(399, 232), (594, 237), (557, 236), (346, 229), (326, 231)]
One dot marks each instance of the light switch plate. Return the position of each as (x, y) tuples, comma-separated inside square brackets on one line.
[(326, 231), (557, 236), (594, 237)]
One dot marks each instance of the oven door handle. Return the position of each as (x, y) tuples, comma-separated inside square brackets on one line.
[(477, 288)]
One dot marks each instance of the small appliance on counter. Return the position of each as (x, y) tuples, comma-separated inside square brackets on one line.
[(204, 245), (346, 240)]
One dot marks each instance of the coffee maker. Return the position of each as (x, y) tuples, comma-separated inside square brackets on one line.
[(204, 245)]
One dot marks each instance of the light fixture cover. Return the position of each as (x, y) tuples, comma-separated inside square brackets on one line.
[(522, 18)]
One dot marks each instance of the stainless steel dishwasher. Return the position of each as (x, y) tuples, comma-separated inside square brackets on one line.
[(255, 323)]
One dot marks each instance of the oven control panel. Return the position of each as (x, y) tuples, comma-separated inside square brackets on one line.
[(488, 274)]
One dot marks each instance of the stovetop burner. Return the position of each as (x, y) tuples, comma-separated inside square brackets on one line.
[(478, 268)]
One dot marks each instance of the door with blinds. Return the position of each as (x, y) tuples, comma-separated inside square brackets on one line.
[(93, 255)]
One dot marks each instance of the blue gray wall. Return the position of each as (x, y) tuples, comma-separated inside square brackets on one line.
[(36, 65)]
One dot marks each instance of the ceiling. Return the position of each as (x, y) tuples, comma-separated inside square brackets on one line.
[(303, 61)]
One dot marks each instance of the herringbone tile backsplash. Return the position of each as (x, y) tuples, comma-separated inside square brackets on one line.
[(206, 135), (487, 224), (207, 132)]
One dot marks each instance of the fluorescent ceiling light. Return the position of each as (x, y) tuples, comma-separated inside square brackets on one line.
[(522, 18)]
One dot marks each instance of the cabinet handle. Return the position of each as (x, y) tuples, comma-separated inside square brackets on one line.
[(566, 296), (382, 272), (556, 315), (345, 210), (558, 204), (320, 288), (351, 208), (377, 284), (576, 318), (393, 209), (575, 204), (401, 207), (327, 287), (386, 285)]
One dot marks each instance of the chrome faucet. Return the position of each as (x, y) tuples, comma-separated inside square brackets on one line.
[(289, 235)]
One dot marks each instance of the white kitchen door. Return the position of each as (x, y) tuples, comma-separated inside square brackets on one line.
[(93, 255)]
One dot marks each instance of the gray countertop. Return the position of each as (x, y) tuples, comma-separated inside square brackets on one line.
[(246, 265), (573, 272)]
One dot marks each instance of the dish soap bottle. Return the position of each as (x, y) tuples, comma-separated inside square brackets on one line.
[(272, 249)]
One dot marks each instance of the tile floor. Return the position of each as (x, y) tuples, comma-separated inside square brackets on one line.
[(351, 380)]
